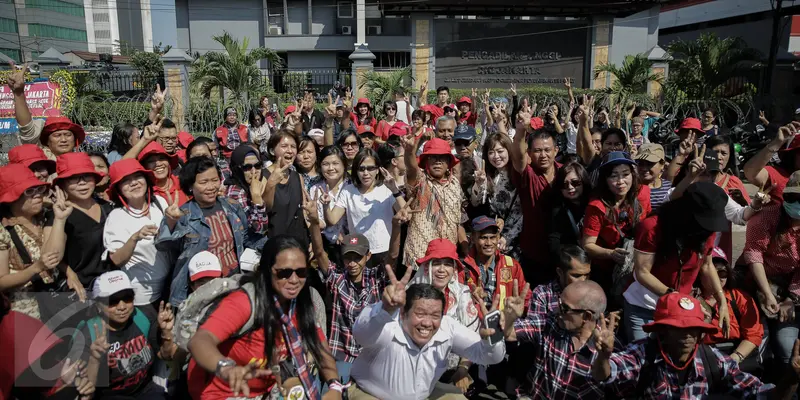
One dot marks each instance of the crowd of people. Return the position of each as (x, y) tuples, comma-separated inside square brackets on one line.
[(331, 254)]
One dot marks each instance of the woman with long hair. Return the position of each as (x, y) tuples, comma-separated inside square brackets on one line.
[(728, 177), (131, 228), (306, 161), (493, 188), (617, 206), (350, 143), (671, 251), (369, 204), (123, 138), (246, 187), (364, 115), (571, 192), (332, 165), (285, 339), (283, 193), (101, 165), (772, 253), (259, 129), (390, 120)]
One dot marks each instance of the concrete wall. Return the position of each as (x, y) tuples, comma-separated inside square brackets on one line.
[(164, 22), (335, 43), (129, 14), (323, 17), (715, 10), (635, 34), (311, 60), (182, 24), (298, 17), (241, 19)]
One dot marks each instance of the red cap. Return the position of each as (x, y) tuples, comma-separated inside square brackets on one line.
[(537, 123), (399, 128), (363, 100), (794, 145), (289, 110), (464, 99), (690, 123), (28, 154), (71, 164), (717, 252), (53, 124), (365, 128), (677, 310), (440, 248), (436, 146), (15, 179), (185, 139), (156, 148), (124, 168)]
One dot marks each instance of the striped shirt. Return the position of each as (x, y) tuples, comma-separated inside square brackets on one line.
[(659, 196)]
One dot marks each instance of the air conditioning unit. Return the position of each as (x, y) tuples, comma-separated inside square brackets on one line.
[(374, 30), (275, 30), (347, 30)]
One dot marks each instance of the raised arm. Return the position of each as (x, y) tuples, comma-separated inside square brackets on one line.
[(330, 115), (16, 82), (312, 216), (410, 158), (275, 178), (519, 150), (423, 93), (157, 102), (686, 147), (584, 146), (754, 169), (148, 136)]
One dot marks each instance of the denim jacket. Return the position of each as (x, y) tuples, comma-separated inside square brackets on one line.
[(191, 236)]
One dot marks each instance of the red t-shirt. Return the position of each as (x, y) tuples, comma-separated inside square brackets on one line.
[(535, 196), (732, 183), (648, 235), (231, 314), (595, 223), (469, 118), (747, 328), (435, 110), (778, 178), (174, 190)]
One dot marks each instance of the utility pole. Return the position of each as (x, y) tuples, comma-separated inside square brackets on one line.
[(773, 46), (19, 37)]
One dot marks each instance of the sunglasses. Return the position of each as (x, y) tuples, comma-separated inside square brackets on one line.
[(248, 167), (565, 309), (368, 168), (286, 273), (36, 190), (126, 296), (576, 183), (350, 144)]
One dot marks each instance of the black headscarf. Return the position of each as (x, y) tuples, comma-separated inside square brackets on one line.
[(237, 160)]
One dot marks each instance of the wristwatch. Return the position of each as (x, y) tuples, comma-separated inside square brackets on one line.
[(225, 362)]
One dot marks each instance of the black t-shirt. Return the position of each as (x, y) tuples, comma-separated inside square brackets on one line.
[(221, 243), (130, 357), (84, 246), (286, 215)]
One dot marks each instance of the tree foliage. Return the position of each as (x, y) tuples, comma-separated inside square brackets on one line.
[(630, 79), (380, 86)]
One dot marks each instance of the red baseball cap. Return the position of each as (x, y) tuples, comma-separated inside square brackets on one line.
[(677, 310), (365, 128), (71, 164), (289, 110), (464, 99), (122, 169), (440, 248), (156, 148), (363, 100), (53, 124), (717, 252), (537, 123), (436, 146), (29, 154), (690, 123), (15, 179)]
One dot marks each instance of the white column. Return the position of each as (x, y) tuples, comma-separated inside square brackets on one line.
[(361, 23)]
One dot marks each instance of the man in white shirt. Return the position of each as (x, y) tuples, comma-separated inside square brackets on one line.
[(406, 344)]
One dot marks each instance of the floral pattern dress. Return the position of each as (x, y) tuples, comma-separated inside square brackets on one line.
[(503, 200), (22, 299), (441, 213)]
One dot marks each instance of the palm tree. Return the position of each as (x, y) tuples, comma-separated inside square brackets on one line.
[(629, 80), (234, 70), (704, 67), (381, 86)]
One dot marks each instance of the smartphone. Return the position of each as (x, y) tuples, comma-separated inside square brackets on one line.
[(492, 320)]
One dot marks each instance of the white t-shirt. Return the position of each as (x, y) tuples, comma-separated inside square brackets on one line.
[(402, 115), (369, 214), (147, 268)]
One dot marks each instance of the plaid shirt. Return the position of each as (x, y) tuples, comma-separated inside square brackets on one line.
[(256, 215), (233, 137), (626, 365), (488, 279), (348, 302), (558, 371), (544, 299)]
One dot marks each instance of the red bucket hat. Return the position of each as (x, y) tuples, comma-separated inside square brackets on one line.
[(677, 310), (29, 154), (53, 124), (436, 146), (440, 248), (690, 123), (122, 169), (185, 139), (464, 99), (363, 100), (537, 123), (71, 164), (15, 179), (156, 148), (399, 128)]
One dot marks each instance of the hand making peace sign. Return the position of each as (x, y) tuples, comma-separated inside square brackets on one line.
[(394, 296)]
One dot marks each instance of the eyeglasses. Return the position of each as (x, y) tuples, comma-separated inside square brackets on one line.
[(463, 143), (368, 168), (36, 190), (576, 183), (168, 139), (439, 158), (286, 273), (248, 167), (565, 309), (350, 144), (391, 108), (74, 180)]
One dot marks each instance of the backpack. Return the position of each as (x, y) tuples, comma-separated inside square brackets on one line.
[(194, 311), (139, 319)]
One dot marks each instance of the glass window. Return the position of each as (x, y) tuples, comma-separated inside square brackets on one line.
[(57, 6), (8, 25), (11, 53), (57, 32)]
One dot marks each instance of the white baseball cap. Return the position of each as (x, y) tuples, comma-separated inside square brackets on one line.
[(204, 265), (110, 283), (316, 133)]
